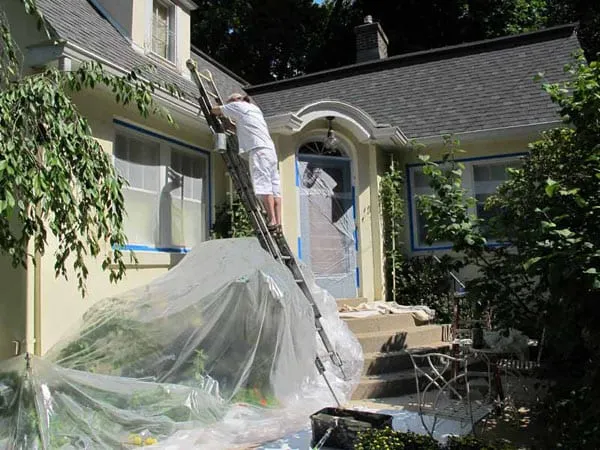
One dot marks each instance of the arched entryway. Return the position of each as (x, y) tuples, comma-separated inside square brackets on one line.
[(328, 239)]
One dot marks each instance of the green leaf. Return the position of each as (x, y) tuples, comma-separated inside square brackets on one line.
[(531, 262), (551, 187)]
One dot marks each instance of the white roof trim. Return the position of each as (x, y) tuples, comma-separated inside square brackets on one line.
[(364, 128)]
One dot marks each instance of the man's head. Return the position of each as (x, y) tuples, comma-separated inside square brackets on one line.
[(236, 97)]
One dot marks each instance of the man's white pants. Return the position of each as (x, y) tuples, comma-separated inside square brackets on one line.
[(264, 172)]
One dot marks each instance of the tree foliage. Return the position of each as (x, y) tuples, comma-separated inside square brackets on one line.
[(269, 40), (55, 179), (549, 277), (260, 40), (391, 200)]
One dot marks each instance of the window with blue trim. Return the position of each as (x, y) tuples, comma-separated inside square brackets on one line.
[(481, 178), (167, 196)]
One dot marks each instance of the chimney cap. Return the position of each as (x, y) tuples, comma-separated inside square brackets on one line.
[(368, 19)]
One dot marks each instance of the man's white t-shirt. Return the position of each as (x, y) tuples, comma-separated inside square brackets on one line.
[(251, 128)]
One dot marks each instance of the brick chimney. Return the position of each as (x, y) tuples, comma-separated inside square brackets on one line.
[(371, 41)]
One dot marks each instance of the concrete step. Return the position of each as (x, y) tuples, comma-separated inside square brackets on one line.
[(384, 341), (393, 384), (353, 302), (381, 322), (379, 363)]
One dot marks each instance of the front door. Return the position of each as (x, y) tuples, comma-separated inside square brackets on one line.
[(327, 224)]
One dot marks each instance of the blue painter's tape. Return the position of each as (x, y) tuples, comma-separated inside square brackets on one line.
[(297, 169), (162, 137), (478, 158), (148, 248), (354, 203), (299, 247), (357, 277), (355, 239)]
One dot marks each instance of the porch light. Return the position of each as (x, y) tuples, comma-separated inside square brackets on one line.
[(330, 141)]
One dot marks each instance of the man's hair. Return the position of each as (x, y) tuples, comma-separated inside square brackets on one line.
[(237, 96)]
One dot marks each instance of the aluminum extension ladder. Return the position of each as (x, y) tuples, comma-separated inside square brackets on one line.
[(274, 243)]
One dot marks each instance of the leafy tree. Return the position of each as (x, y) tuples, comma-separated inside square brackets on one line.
[(549, 211), (55, 178), (259, 40)]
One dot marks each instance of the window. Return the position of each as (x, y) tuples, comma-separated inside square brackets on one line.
[(167, 197), (481, 178), (163, 29)]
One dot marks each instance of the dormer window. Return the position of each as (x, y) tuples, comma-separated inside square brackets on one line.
[(163, 29)]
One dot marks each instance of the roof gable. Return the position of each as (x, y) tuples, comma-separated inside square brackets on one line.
[(78, 22)]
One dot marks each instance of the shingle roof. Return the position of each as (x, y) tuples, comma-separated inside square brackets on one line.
[(469, 87), (79, 22)]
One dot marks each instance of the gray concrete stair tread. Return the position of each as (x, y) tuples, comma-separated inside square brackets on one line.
[(386, 385), (387, 333), (391, 376), (433, 348), (384, 341)]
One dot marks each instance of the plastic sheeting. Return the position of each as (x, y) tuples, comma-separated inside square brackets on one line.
[(327, 222), (217, 353)]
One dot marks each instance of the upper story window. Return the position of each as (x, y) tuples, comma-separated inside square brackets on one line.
[(481, 179), (163, 29)]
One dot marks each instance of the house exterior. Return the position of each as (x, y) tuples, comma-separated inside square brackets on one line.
[(482, 92)]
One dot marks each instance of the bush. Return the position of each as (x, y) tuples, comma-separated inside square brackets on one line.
[(424, 281), (388, 439), (231, 221)]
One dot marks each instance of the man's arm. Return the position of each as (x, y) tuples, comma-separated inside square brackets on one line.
[(217, 110)]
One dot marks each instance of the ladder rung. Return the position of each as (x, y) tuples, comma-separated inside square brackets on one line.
[(206, 77)]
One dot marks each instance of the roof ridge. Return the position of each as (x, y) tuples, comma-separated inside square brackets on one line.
[(522, 38)]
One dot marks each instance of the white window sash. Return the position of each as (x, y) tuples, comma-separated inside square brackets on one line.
[(170, 40)]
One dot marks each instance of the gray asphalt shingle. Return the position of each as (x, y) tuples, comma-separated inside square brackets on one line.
[(79, 22), (464, 88)]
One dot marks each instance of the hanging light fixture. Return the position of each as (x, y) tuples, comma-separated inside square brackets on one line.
[(331, 141)]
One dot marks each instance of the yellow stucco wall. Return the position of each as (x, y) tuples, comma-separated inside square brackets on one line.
[(23, 35), (12, 306), (139, 22), (61, 303)]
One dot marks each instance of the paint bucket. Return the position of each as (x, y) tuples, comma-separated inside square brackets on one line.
[(345, 425)]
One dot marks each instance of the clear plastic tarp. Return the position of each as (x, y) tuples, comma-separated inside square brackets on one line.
[(217, 353), (327, 222)]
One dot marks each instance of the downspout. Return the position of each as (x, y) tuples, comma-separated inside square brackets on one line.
[(33, 308), (30, 301), (37, 305), (33, 304), (393, 227)]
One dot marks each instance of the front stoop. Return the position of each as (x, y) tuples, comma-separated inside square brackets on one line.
[(386, 341)]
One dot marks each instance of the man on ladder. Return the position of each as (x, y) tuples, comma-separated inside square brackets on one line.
[(254, 139)]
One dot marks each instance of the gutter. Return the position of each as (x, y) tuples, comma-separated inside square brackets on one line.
[(500, 132), (42, 54), (76, 52)]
